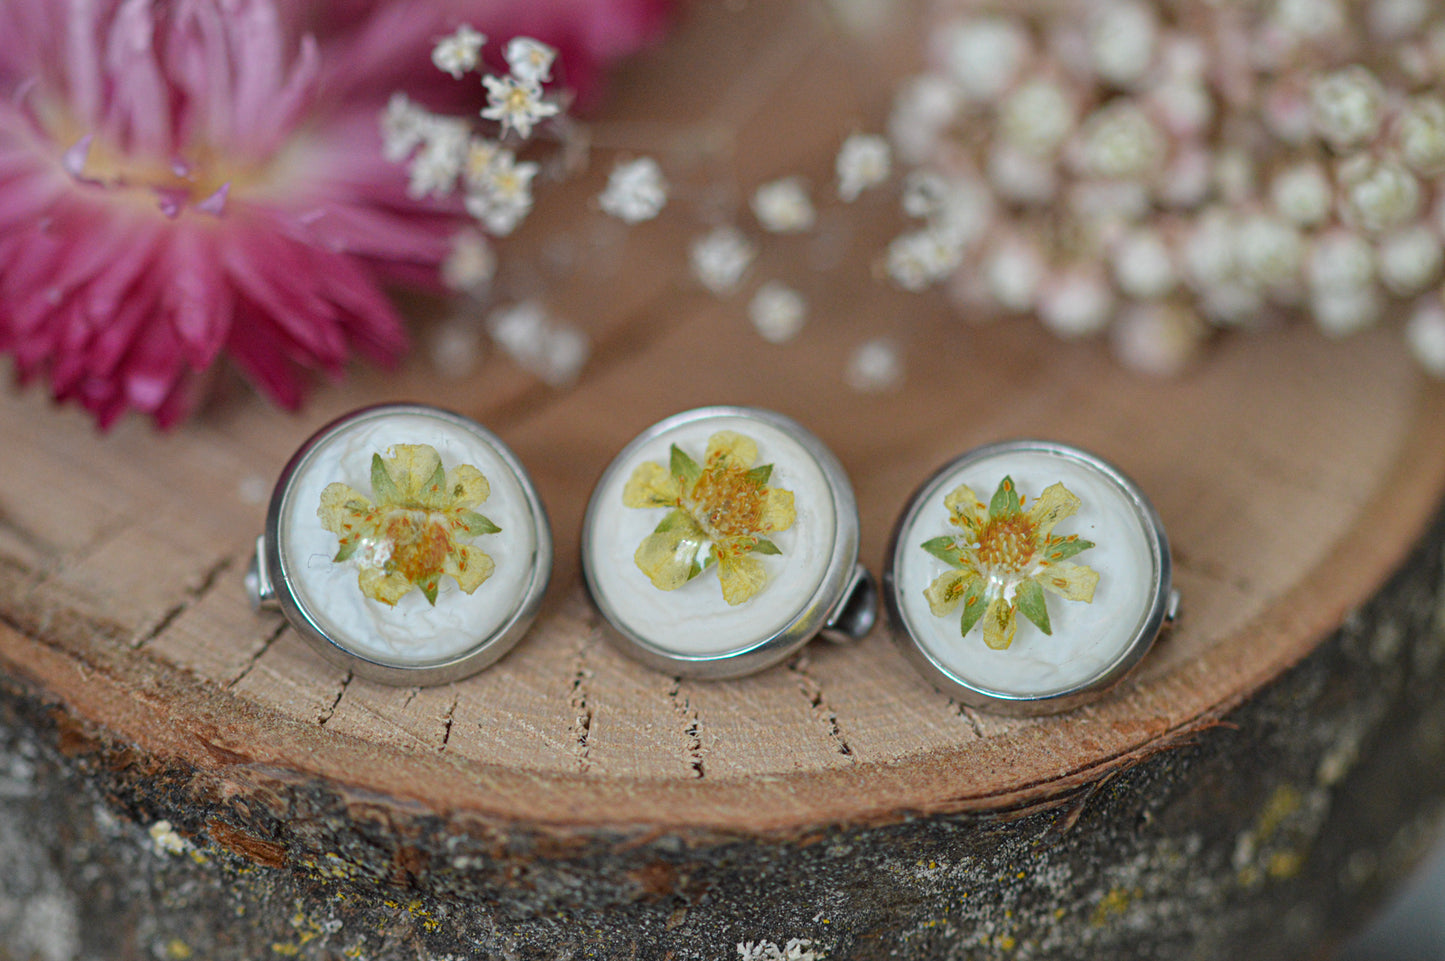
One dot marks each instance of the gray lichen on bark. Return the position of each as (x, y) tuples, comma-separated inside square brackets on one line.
[(1260, 836)]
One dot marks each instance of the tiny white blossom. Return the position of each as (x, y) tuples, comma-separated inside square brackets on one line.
[(1425, 333), (916, 260), (1410, 260), (1339, 313), (636, 191), (1122, 40), (530, 60), (863, 161), (1037, 117), (1208, 251), (471, 264), (719, 259), (516, 105), (1076, 304), (777, 312), (435, 166), (966, 208), (1187, 180), (1143, 266), (553, 351), (1120, 141), (1303, 194), (455, 348), (783, 207), (1421, 135), (924, 193), (1340, 260), (923, 107), (402, 127), (1184, 105), (1013, 272), (1347, 107), (1269, 252), (1392, 20), (1022, 177), (1309, 19), (1379, 194), (477, 167), (1156, 339), (504, 197), (458, 53), (874, 367), (983, 55)]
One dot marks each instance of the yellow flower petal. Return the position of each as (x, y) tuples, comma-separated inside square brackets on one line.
[(651, 485), (469, 566), (947, 590), (668, 557), (1072, 581), (1053, 505), (387, 588), (742, 576), (965, 509), (778, 512), (466, 487), (339, 507), (731, 449), (999, 624), (411, 467)]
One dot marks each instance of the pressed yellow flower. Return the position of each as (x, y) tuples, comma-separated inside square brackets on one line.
[(725, 503), (409, 536), (1006, 559)]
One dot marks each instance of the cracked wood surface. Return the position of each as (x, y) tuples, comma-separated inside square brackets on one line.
[(1293, 474)]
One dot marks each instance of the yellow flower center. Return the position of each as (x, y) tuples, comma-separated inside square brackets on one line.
[(726, 502), (419, 542), (1008, 544)]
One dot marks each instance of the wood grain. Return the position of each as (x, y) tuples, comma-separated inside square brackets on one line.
[(1292, 473)]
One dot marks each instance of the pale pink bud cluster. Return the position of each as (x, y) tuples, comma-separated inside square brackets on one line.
[(1153, 170)]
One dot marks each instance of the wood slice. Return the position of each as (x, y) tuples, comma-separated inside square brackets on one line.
[(1293, 475)]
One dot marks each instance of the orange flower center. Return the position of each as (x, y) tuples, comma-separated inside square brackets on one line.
[(419, 543), (726, 502), (1008, 543)]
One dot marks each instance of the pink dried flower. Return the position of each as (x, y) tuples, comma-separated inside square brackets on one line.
[(172, 184), (184, 178)]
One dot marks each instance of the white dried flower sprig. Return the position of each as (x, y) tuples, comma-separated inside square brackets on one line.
[(446, 155)]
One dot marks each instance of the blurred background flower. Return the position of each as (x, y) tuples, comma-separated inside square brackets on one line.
[(182, 180)]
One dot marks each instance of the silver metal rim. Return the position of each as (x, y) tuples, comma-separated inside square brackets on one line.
[(750, 655), (367, 665), (1003, 702)]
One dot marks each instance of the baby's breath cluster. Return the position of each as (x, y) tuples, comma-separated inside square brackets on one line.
[(447, 156), (1155, 170)]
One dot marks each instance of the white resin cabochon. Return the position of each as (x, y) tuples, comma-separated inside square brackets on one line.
[(694, 620), (412, 632), (1087, 639)]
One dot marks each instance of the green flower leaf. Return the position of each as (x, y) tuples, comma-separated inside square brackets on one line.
[(709, 559), (348, 547), (946, 549), (1030, 599), (1005, 502), (1062, 548), (383, 488), (477, 523), (429, 589), (759, 475), (765, 546), (683, 467), (973, 605)]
